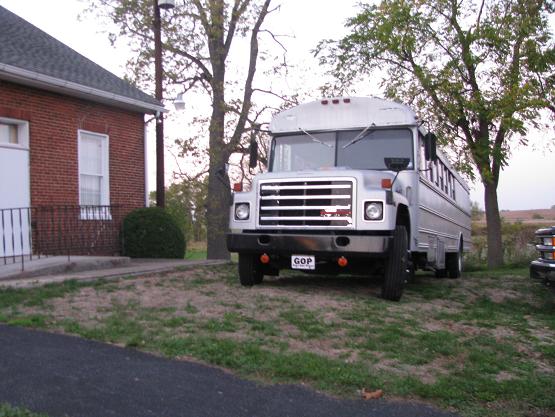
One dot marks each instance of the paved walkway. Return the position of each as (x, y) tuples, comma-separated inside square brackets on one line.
[(68, 376), (87, 268)]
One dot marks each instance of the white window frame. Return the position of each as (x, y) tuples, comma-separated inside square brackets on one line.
[(22, 133), (96, 214)]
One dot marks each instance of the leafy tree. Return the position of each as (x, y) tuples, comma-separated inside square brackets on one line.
[(481, 72), (199, 35), (186, 203)]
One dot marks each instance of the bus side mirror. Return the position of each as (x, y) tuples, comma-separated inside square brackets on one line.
[(396, 164), (253, 154), (430, 147)]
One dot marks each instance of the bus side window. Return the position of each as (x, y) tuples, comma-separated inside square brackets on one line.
[(421, 153), (441, 175), (425, 166), (445, 180)]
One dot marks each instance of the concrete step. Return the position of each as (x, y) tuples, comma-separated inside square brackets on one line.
[(56, 265)]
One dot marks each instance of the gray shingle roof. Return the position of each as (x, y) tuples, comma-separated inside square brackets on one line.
[(25, 46)]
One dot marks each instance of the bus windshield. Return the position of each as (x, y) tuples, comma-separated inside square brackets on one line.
[(355, 149)]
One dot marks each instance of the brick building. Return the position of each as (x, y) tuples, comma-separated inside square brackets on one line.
[(72, 146)]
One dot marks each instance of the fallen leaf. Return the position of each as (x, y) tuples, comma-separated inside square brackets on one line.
[(371, 395)]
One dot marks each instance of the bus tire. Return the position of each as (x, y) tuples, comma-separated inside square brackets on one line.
[(454, 264), (250, 271), (396, 266), (534, 274), (441, 273)]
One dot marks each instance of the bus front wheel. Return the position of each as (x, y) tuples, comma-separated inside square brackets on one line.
[(396, 266), (250, 270)]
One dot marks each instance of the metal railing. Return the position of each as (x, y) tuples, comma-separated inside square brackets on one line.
[(27, 232)]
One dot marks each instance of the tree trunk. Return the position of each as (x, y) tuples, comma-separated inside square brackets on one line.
[(493, 221), (219, 193), (219, 197)]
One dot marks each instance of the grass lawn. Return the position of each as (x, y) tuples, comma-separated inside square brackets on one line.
[(9, 411), (195, 251), (483, 345)]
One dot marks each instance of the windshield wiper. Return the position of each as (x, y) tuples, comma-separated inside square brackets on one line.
[(315, 139), (359, 137)]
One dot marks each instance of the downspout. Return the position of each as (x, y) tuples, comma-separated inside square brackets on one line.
[(146, 163)]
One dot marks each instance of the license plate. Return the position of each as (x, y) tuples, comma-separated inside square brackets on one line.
[(303, 262)]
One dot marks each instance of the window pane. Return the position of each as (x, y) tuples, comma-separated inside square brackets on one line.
[(90, 154), (369, 151), (304, 152), (8, 133), (90, 190)]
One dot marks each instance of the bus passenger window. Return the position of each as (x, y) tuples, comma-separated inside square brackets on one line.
[(445, 180), (421, 154), (440, 174)]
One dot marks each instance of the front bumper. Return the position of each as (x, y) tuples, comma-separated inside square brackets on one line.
[(309, 244), (542, 270)]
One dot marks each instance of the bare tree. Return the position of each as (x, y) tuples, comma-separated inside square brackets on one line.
[(198, 36)]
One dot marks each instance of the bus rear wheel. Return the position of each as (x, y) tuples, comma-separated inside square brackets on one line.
[(250, 270), (396, 266), (454, 263)]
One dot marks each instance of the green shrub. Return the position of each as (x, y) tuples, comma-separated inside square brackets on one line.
[(518, 245), (152, 233)]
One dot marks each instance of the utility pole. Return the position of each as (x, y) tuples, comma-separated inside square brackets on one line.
[(158, 78)]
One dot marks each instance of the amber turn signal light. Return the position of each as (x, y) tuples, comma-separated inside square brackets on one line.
[(386, 183)]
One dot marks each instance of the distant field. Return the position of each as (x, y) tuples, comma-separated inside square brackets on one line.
[(537, 216)]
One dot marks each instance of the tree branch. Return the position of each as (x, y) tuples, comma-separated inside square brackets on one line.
[(240, 126), (238, 10), (195, 60), (275, 38)]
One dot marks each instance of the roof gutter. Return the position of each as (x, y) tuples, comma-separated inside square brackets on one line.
[(46, 82)]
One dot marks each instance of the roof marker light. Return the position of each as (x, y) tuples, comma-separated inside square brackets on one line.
[(346, 100), (324, 102), (335, 101)]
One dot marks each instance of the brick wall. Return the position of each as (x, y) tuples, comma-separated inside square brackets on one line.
[(54, 120)]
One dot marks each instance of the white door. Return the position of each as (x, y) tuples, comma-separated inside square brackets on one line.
[(15, 199)]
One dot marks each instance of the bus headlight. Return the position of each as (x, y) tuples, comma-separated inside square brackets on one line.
[(373, 210), (242, 211)]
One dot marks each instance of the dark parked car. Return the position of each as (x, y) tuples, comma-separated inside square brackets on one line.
[(543, 268)]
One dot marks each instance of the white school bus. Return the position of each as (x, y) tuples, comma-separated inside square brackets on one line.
[(355, 185)]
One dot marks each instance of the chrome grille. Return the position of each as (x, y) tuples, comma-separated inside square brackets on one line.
[(323, 203)]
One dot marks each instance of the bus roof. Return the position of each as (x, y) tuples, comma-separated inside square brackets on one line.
[(342, 113)]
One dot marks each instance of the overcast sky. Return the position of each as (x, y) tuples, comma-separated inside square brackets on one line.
[(529, 181)]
